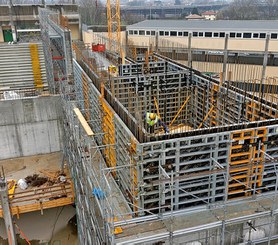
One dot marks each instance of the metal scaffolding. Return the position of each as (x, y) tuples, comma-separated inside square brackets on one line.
[(57, 48), (210, 179)]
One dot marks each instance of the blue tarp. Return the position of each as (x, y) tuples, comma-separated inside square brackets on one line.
[(97, 192)]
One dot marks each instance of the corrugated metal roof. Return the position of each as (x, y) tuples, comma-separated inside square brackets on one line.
[(220, 25)]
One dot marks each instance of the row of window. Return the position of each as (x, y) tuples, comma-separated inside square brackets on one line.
[(203, 34)]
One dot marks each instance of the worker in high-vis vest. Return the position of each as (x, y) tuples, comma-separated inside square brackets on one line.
[(152, 119)]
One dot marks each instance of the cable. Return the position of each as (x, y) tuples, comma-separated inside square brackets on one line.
[(55, 223)]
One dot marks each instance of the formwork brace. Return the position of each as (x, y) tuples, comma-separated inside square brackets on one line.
[(205, 118), (183, 105)]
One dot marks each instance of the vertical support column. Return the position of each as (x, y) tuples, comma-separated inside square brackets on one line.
[(177, 169), (6, 211), (125, 48), (85, 90), (265, 57), (189, 50), (80, 27), (12, 21), (156, 41), (224, 71)]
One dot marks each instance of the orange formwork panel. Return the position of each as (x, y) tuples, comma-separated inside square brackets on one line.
[(108, 128), (245, 161), (133, 174)]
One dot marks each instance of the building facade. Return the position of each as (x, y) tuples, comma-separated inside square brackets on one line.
[(21, 20)]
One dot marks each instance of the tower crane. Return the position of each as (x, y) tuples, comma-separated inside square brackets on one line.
[(114, 27)]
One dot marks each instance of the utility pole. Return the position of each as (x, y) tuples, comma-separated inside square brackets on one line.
[(6, 209)]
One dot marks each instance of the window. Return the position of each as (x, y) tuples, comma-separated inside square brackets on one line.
[(153, 33), (130, 32), (222, 34), (135, 32), (262, 35), (173, 33), (215, 34), (273, 35), (247, 35), (141, 32), (208, 34), (195, 34), (232, 34), (255, 35), (238, 35), (180, 33), (201, 34), (185, 34), (161, 33), (166, 33), (148, 33)]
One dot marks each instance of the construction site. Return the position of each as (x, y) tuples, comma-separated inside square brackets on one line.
[(206, 173)]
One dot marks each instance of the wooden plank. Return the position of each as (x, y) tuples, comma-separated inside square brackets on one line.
[(83, 122), (38, 206)]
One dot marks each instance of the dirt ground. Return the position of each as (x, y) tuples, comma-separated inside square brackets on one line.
[(18, 168)]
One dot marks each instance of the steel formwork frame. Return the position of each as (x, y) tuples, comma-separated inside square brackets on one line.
[(236, 159), (125, 176), (57, 48)]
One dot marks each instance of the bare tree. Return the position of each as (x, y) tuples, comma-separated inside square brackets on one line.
[(271, 9), (92, 12), (241, 10)]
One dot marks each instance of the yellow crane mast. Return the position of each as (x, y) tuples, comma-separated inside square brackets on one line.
[(114, 27)]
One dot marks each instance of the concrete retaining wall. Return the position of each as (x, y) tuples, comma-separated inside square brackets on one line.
[(30, 126)]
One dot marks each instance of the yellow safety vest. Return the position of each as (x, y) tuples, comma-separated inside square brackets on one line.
[(149, 121)]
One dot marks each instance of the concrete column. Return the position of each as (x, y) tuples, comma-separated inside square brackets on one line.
[(156, 41), (6, 211), (224, 71), (174, 54), (189, 51), (265, 57)]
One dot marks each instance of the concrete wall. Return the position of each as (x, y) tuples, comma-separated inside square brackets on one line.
[(30, 126), (74, 31), (50, 228)]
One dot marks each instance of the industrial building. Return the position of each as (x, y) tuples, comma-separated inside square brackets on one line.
[(210, 178), (208, 34)]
